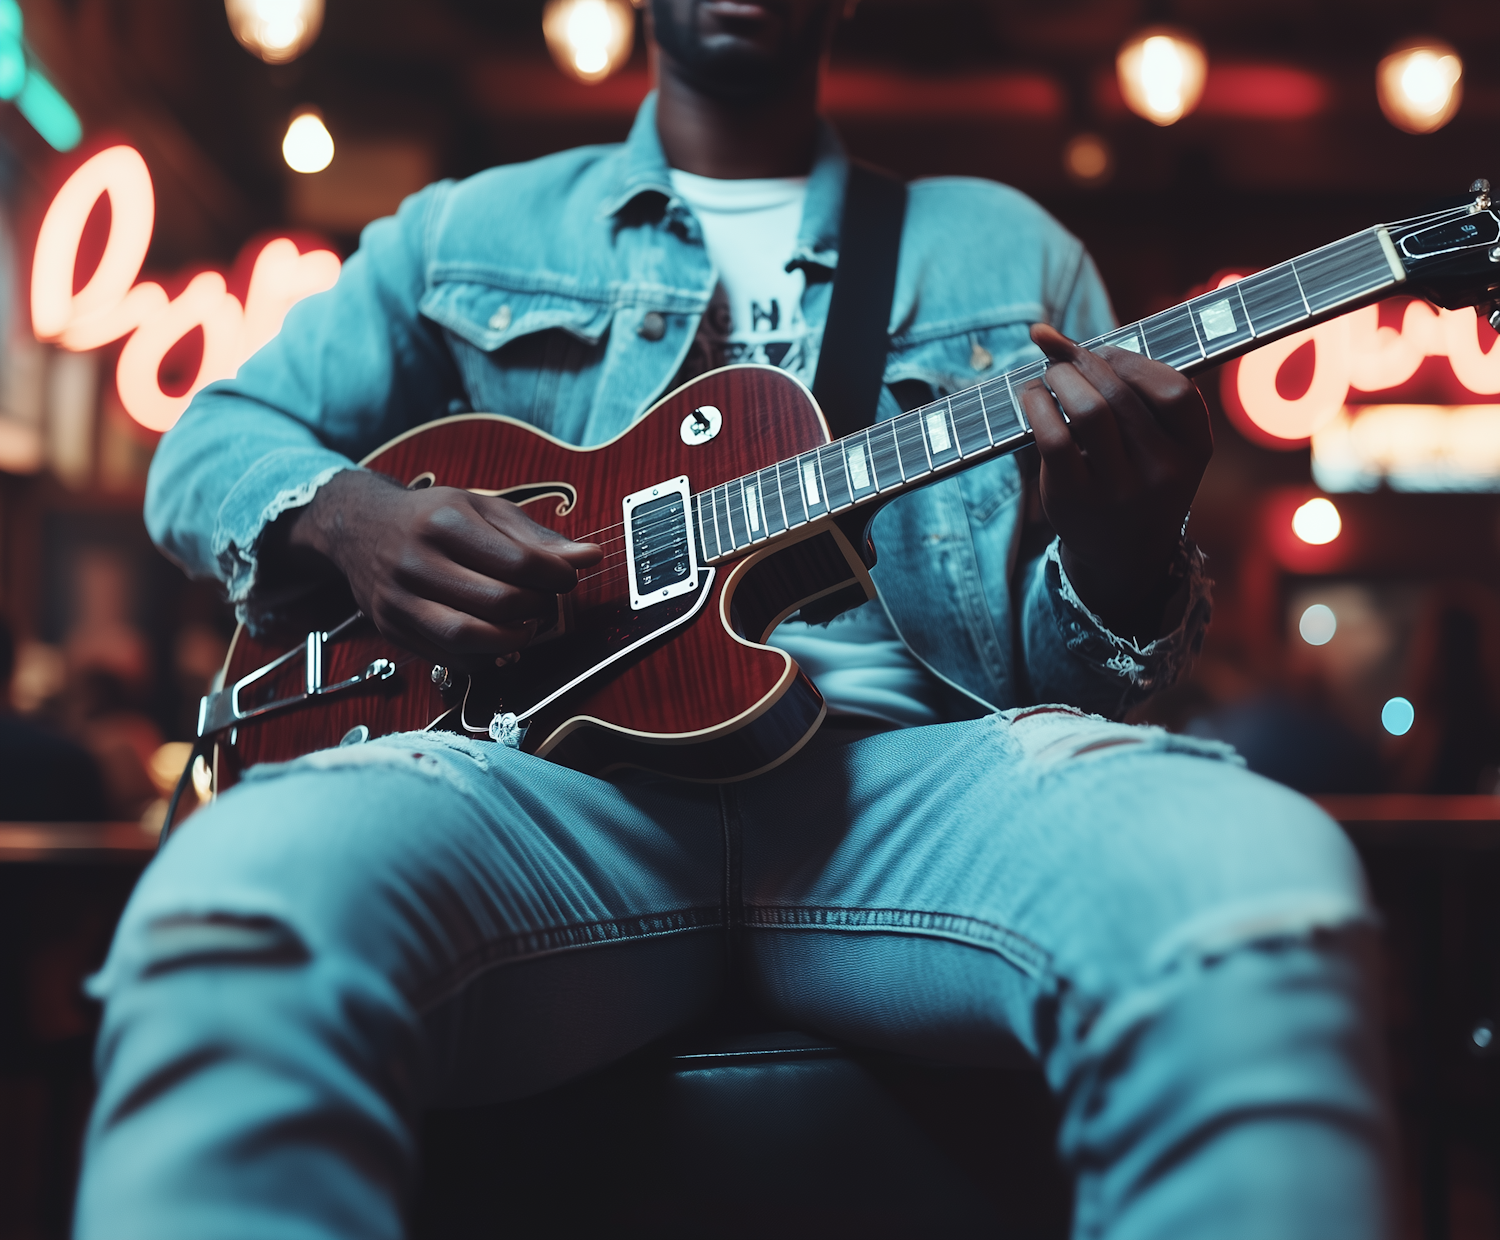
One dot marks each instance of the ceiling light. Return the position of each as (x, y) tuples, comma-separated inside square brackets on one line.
[(589, 39), (1161, 73), (308, 146), (1088, 159), (275, 30), (1420, 86), (1317, 522)]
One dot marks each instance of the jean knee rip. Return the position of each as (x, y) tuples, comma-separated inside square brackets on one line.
[(195, 940), (1101, 1021), (1053, 735), (421, 753)]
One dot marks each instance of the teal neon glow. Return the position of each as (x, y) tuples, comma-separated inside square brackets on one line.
[(50, 114), (40, 102)]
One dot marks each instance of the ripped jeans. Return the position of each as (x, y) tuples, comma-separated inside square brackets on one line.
[(425, 920)]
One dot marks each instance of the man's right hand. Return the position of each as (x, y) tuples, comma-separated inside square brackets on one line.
[(442, 571)]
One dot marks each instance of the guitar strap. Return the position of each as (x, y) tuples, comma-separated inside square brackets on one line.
[(851, 363)]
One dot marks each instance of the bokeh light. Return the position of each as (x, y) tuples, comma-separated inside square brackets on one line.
[(1161, 73), (275, 30), (1317, 522), (1088, 160), (308, 146), (589, 39), (1318, 625), (1420, 86), (1397, 716)]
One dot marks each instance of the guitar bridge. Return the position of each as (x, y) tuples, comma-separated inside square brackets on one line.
[(659, 552)]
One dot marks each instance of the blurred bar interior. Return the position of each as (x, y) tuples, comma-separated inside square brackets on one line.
[(174, 174)]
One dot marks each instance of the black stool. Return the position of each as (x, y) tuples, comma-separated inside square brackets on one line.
[(754, 1134)]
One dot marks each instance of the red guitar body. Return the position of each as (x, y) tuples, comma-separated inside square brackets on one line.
[(700, 699)]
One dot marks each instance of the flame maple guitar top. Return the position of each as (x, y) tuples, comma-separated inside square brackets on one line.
[(704, 702)]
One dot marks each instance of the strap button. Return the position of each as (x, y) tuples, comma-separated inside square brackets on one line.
[(653, 326)]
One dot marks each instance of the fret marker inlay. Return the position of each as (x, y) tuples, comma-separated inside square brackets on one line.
[(857, 469)]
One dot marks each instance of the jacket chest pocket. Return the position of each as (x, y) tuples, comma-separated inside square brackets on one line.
[(531, 355), (948, 361)]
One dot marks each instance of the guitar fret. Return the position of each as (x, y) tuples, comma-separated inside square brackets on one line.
[(1005, 416), (770, 488), (753, 508), (1272, 299), (739, 524), (791, 494), (835, 480), (910, 444), (1221, 320), (706, 550), (812, 485), (884, 462), (970, 427), (942, 448), (1171, 337), (857, 459), (721, 520), (1343, 272)]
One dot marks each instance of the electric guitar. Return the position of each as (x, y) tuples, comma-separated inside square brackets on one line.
[(723, 511)]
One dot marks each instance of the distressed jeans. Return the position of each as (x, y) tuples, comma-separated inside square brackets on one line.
[(424, 920)]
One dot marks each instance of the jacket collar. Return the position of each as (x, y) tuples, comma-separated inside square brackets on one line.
[(643, 169)]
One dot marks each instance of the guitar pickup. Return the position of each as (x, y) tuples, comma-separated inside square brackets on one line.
[(660, 556)]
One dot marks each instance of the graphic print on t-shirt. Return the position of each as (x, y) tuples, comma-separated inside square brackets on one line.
[(750, 230)]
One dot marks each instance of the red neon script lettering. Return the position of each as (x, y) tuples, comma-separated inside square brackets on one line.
[(112, 305), (1355, 353)]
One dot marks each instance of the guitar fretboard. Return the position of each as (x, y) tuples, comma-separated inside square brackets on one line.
[(986, 420)]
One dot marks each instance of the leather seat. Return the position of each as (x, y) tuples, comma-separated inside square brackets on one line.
[(754, 1134)]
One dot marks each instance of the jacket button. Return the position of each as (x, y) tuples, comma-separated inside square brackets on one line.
[(653, 326), (500, 320), (980, 357)]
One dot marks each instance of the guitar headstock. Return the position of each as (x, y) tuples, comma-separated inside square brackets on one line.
[(1452, 256)]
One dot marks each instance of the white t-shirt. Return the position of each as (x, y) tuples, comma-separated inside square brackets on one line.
[(750, 230), (860, 665)]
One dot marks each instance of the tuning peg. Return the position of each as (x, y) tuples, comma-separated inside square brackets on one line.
[(1495, 320), (1481, 186)]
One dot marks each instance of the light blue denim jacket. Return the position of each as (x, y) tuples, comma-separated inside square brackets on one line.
[(522, 290)]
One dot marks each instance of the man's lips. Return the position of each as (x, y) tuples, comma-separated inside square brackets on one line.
[(743, 10)]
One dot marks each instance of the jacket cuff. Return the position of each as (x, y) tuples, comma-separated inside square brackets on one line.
[(1145, 669), (280, 481)]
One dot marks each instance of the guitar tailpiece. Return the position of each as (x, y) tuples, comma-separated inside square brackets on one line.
[(506, 729)]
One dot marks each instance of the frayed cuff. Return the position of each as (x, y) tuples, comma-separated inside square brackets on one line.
[(1159, 663), (244, 520)]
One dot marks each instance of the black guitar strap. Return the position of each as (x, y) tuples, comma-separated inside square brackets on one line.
[(851, 364)]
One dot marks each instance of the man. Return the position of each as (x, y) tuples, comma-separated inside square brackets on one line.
[(343, 940)]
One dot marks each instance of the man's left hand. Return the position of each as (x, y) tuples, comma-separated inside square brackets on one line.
[(1119, 475)]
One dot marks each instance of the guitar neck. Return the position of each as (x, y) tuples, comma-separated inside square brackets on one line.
[(985, 421)]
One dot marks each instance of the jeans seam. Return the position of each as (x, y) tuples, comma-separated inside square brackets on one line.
[(1010, 944), (533, 944)]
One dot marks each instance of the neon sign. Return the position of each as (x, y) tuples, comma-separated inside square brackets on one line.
[(111, 305), (1282, 404)]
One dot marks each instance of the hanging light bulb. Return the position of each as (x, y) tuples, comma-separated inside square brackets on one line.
[(308, 146), (1420, 85), (275, 30), (1161, 73), (589, 39)]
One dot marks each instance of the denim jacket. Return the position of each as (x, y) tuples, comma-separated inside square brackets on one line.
[(523, 290)]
